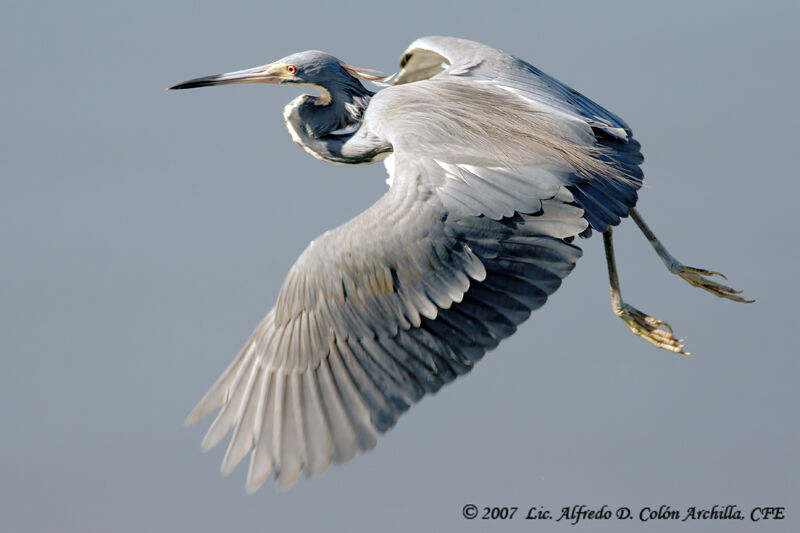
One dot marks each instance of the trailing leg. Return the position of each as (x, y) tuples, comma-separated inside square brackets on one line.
[(691, 274)]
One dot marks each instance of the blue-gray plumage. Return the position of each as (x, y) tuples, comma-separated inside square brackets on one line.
[(495, 167)]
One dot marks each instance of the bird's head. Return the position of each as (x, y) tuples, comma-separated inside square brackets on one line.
[(307, 69)]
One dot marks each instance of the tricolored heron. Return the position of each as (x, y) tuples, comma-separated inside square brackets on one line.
[(494, 168)]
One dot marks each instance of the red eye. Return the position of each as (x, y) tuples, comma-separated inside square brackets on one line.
[(291, 69)]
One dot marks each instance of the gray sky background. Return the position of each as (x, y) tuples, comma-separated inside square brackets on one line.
[(145, 233)]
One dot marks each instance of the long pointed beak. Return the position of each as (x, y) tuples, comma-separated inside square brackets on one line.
[(272, 73)]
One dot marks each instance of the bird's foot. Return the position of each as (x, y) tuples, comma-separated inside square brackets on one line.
[(696, 276), (655, 331)]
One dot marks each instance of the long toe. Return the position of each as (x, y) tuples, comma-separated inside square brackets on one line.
[(655, 331), (697, 277)]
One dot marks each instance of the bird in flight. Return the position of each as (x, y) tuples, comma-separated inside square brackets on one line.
[(494, 168)]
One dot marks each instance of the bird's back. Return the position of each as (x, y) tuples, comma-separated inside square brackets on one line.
[(490, 109)]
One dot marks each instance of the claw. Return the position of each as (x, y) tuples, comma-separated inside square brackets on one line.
[(702, 271), (694, 276), (655, 331)]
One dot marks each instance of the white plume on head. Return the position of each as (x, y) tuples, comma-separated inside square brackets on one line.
[(365, 74)]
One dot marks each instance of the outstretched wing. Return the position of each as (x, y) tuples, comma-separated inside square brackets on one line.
[(381, 311)]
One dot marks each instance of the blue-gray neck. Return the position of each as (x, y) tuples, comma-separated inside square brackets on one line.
[(327, 126)]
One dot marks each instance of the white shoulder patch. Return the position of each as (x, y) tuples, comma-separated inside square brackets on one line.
[(389, 164)]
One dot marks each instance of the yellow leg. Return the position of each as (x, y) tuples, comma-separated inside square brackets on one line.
[(691, 274), (653, 330)]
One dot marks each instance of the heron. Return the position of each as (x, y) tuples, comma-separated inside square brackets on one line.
[(494, 168)]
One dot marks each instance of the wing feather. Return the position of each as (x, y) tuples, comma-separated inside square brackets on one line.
[(242, 439), (319, 449), (262, 459), (343, 436), (382, 413), (353, 403), (289, 442)]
